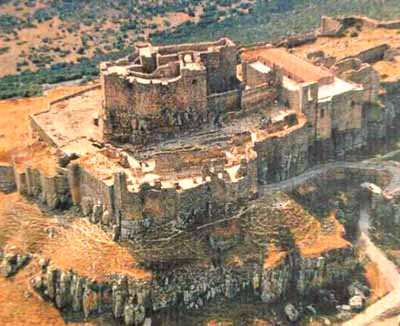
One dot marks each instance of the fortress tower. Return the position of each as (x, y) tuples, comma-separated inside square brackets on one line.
[(159, 92)]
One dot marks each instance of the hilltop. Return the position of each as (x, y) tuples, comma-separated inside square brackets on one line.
[(51, 41)]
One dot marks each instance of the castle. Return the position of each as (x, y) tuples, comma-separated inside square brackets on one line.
[(165, 92), (189, 132), (184, 154)]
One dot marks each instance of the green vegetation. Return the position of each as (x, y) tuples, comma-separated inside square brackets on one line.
[(4, 50), (29, 83), (267, 20), (244, 22)]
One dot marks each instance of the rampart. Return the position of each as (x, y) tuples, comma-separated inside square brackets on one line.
[(126, 213), (50, 190), (334, 26)]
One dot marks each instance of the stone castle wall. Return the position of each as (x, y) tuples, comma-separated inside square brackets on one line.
[(141, 107), (257, 97), (224, 102), (53, 191)]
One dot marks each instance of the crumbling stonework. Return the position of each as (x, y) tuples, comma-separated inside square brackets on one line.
[(277, 118), (181, 138)]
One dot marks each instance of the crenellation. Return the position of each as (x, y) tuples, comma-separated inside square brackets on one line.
[(185, 133), (188, 156)]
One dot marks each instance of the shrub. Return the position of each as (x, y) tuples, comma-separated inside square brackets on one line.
[(4, 50)]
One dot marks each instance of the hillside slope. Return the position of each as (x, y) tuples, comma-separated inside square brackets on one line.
[(50, 41)]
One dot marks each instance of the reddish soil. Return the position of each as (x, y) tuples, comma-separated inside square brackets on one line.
[(23, 228), (88, 250), (22, 307), (379, 286), (73, 244)]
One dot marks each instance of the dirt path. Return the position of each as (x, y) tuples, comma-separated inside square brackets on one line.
[(389, 305), (391, 302)]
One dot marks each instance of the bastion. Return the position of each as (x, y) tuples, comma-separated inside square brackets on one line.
[(186, 132)]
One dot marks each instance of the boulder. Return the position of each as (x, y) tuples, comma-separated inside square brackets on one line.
[(106, 218), (87, 206), (356, 303), (129, 314), (358, 289), (344, 307), (291, 312), (12, 263)]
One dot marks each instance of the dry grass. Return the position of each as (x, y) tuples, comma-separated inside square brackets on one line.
[(379, 286), (316, 241), (310, 236), (23, 229), (273, 257), (72, 244), (89, 250), (14, 122), (279, 223), (22, 307), (22, 225)]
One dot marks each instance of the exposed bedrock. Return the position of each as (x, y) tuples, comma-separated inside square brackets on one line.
[(7, 179), (131, 301)]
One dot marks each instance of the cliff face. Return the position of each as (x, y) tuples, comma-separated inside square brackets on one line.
[(231, 260), (133, 301)]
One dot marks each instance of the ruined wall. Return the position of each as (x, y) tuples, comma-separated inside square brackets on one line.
[(94, 196), (213, 199), (363, 74), (145, 109), (258, 97), (7, 179), (221, 69), (347, 110), (251, 76), (309, 101), (330, 26), (52, 191), (324, 120), (291, 98), (227, 101), (373, 54), (188, 163), (39, 132)]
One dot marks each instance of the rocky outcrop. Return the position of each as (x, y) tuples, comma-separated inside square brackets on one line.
[(305, 274), (70, 292), (12, 263), (7, 179), (191, 287)]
